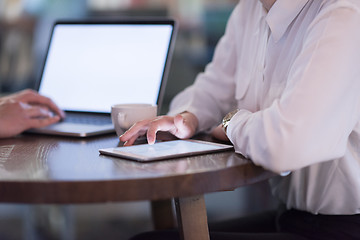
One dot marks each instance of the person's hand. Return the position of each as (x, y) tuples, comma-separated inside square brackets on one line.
[(183, 126), (219, 133), (24, 110), (33, 98)]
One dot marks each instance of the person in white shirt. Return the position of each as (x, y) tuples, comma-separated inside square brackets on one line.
[(291, 71), (24, 110)]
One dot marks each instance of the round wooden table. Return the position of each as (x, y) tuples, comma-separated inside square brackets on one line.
[(44, 169)]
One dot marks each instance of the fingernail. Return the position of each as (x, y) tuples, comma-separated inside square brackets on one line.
[(151, 141)]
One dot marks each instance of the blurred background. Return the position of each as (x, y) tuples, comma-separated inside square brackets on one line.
[(25, 27)]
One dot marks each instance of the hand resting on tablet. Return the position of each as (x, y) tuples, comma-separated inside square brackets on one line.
[(182, 126)]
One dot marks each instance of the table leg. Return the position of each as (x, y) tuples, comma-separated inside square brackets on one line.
[(162, 214), (192, 218)]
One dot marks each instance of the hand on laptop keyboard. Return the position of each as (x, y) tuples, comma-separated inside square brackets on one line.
[(24, 110)]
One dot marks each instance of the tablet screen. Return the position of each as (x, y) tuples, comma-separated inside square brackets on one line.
[(165, 150)]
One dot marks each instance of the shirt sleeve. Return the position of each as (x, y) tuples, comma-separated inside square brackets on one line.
[(312, 120), (212, 94)]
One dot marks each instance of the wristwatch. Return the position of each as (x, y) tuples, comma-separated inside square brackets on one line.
[(227, 118)]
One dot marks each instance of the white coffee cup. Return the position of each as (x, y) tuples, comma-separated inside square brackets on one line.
[(123, 116)]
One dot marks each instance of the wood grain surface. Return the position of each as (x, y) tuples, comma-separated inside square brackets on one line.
[(45, 169)]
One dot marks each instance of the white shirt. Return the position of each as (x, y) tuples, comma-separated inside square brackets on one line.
[(294, 73)]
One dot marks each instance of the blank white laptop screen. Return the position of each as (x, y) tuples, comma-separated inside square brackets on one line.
[(90, 67)]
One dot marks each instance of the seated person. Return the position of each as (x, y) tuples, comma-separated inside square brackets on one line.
[(24, 110), (291, 71)]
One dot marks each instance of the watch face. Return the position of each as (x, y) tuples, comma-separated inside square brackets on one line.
[(231, 114), (227, 119)]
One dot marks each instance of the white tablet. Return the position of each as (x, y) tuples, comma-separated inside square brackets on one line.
[(165, 150)]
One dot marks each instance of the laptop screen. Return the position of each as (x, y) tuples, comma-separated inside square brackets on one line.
[(91, 66)]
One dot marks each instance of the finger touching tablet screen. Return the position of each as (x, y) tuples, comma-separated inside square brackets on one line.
[(165, 150)]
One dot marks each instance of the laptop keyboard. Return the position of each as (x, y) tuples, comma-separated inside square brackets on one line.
[(88, 119)]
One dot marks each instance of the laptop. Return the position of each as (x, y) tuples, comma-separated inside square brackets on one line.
[(91, 65)]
